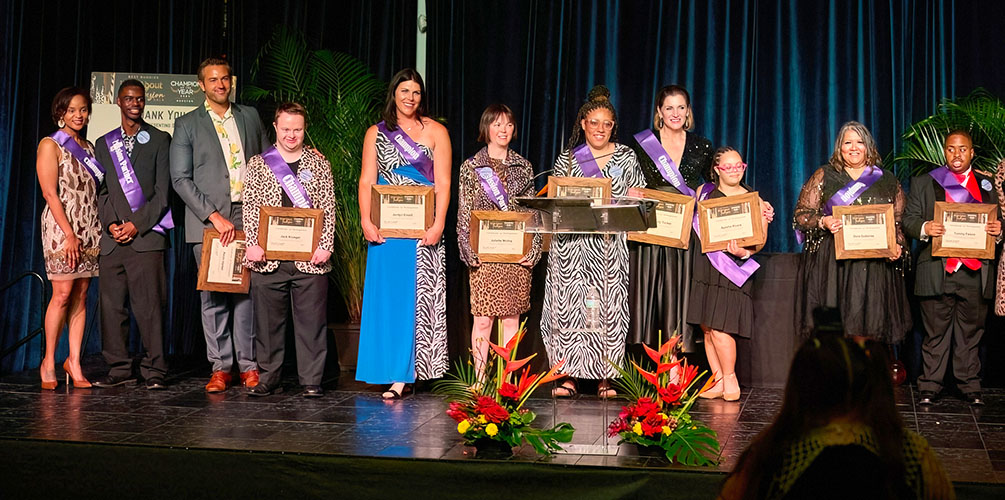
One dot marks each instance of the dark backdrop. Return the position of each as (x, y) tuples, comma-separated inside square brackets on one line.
[(773, 78)]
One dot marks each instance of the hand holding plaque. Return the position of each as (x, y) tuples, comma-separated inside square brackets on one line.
[(221, 268), (737, 217), (965, 233), (401, 211), (289, 233), (867, 232), (674, 213), (498, 236)]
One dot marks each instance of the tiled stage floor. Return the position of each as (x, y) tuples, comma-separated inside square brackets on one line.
[(351, 419)]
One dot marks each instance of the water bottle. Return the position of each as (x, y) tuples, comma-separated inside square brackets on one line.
[(591, 309)]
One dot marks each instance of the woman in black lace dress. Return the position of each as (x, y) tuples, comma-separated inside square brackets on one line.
[(869, 293), (659, 276)]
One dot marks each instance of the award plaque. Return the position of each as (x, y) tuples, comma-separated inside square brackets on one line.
[(498, 236), (598, 188), (867, 232), (288, 233), (401, 211), (221, 268), (674, 213), (965, 236), (730, 218)]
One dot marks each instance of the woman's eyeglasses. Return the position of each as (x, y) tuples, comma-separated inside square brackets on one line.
[(732, 167), (605, 125)]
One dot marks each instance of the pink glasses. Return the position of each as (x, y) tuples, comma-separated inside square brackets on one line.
[(732, 167)]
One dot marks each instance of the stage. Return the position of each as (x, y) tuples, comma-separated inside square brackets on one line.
[(127, 441)]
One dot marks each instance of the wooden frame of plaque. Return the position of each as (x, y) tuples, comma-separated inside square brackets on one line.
[(205, 263), (263, 230), (498, 215), (988, 252), (385, 189), (755, 217), (662, 196), (555, 183), (886, 209)]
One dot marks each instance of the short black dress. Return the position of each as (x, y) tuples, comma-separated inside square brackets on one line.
[(869, 293), (660, 277), (717, 302)]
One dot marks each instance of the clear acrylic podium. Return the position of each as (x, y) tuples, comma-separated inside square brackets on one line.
[(581, 215)]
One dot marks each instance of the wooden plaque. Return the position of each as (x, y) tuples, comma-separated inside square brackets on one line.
[(401, 211), (674, 213), (964, 230), (867, 232), (221, 269), (288, 233), (506, 229), (728, 218), (598, 188)]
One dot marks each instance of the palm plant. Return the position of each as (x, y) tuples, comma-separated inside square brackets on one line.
[(343, 99), (980, 113)]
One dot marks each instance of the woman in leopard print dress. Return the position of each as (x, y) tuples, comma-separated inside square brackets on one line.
[(498, 290), (70, 229)]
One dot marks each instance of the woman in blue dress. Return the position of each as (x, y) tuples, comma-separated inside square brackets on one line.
[(403, 334)]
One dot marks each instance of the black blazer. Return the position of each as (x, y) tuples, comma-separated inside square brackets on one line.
[(150, 161), (930, 272)]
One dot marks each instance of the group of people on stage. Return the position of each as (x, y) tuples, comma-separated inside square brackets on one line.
[(107, 209)]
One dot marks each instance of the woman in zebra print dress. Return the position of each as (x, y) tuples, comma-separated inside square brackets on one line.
[(579, 262), (403, 333)]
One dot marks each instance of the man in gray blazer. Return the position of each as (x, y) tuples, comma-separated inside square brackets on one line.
[(133, 239), (953, 293), (211, 145)]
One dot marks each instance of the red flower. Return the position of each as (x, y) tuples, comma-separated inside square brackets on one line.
[(457, 411), (509, 390), (492, 411), (617, 426), (645, 407), (671, 394), (652, 425)]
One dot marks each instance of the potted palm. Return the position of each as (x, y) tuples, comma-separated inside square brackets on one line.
[(343, 99), (980, 113)]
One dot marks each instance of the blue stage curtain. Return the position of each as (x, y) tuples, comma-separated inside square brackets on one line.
[(51, 45)]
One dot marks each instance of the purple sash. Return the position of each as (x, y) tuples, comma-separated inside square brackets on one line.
[(586, 161), (410, 150), (127, 179), (288, 181), (493, 187), (953, 188), (851, 191), (720, 261), (89, 162), (668, 169)]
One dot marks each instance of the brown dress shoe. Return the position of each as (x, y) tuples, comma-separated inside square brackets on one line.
[(249, 378), (218, 382)]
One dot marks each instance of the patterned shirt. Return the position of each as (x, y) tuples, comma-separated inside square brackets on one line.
[(230, 143)]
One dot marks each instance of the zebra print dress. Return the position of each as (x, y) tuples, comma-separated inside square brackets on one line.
[(430, 281), (577, 262)]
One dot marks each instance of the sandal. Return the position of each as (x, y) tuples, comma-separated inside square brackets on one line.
[(391, 394), (567, 389), (605, 391)]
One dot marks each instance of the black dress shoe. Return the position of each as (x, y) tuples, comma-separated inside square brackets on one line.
[(313, 391), (928, 398), (156, 384), (974, 398), (263, 389), (112, 381)]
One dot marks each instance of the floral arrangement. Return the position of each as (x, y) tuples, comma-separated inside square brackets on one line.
[(490, 405), (658, 414)]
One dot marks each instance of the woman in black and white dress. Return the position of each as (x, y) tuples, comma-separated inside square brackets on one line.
[(579, 265)]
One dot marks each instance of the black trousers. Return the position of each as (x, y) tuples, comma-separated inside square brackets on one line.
[(137, 279), (955, 319), (273, 295)]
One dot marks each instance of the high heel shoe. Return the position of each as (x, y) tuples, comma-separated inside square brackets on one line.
[(731, 396), (48, 385), (77, 384)]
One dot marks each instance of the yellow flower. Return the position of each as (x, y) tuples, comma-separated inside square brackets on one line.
[(491, 429), (666, 430), (637, 428), (463, 426), (664, 416), (481, 419)]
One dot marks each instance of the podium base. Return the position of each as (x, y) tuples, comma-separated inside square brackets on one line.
[(589, 449)]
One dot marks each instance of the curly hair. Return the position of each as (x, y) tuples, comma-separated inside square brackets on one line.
[(599, 97), (872, 156)]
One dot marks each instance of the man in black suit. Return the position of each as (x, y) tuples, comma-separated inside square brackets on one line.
[(133, 209), (953, 292)]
